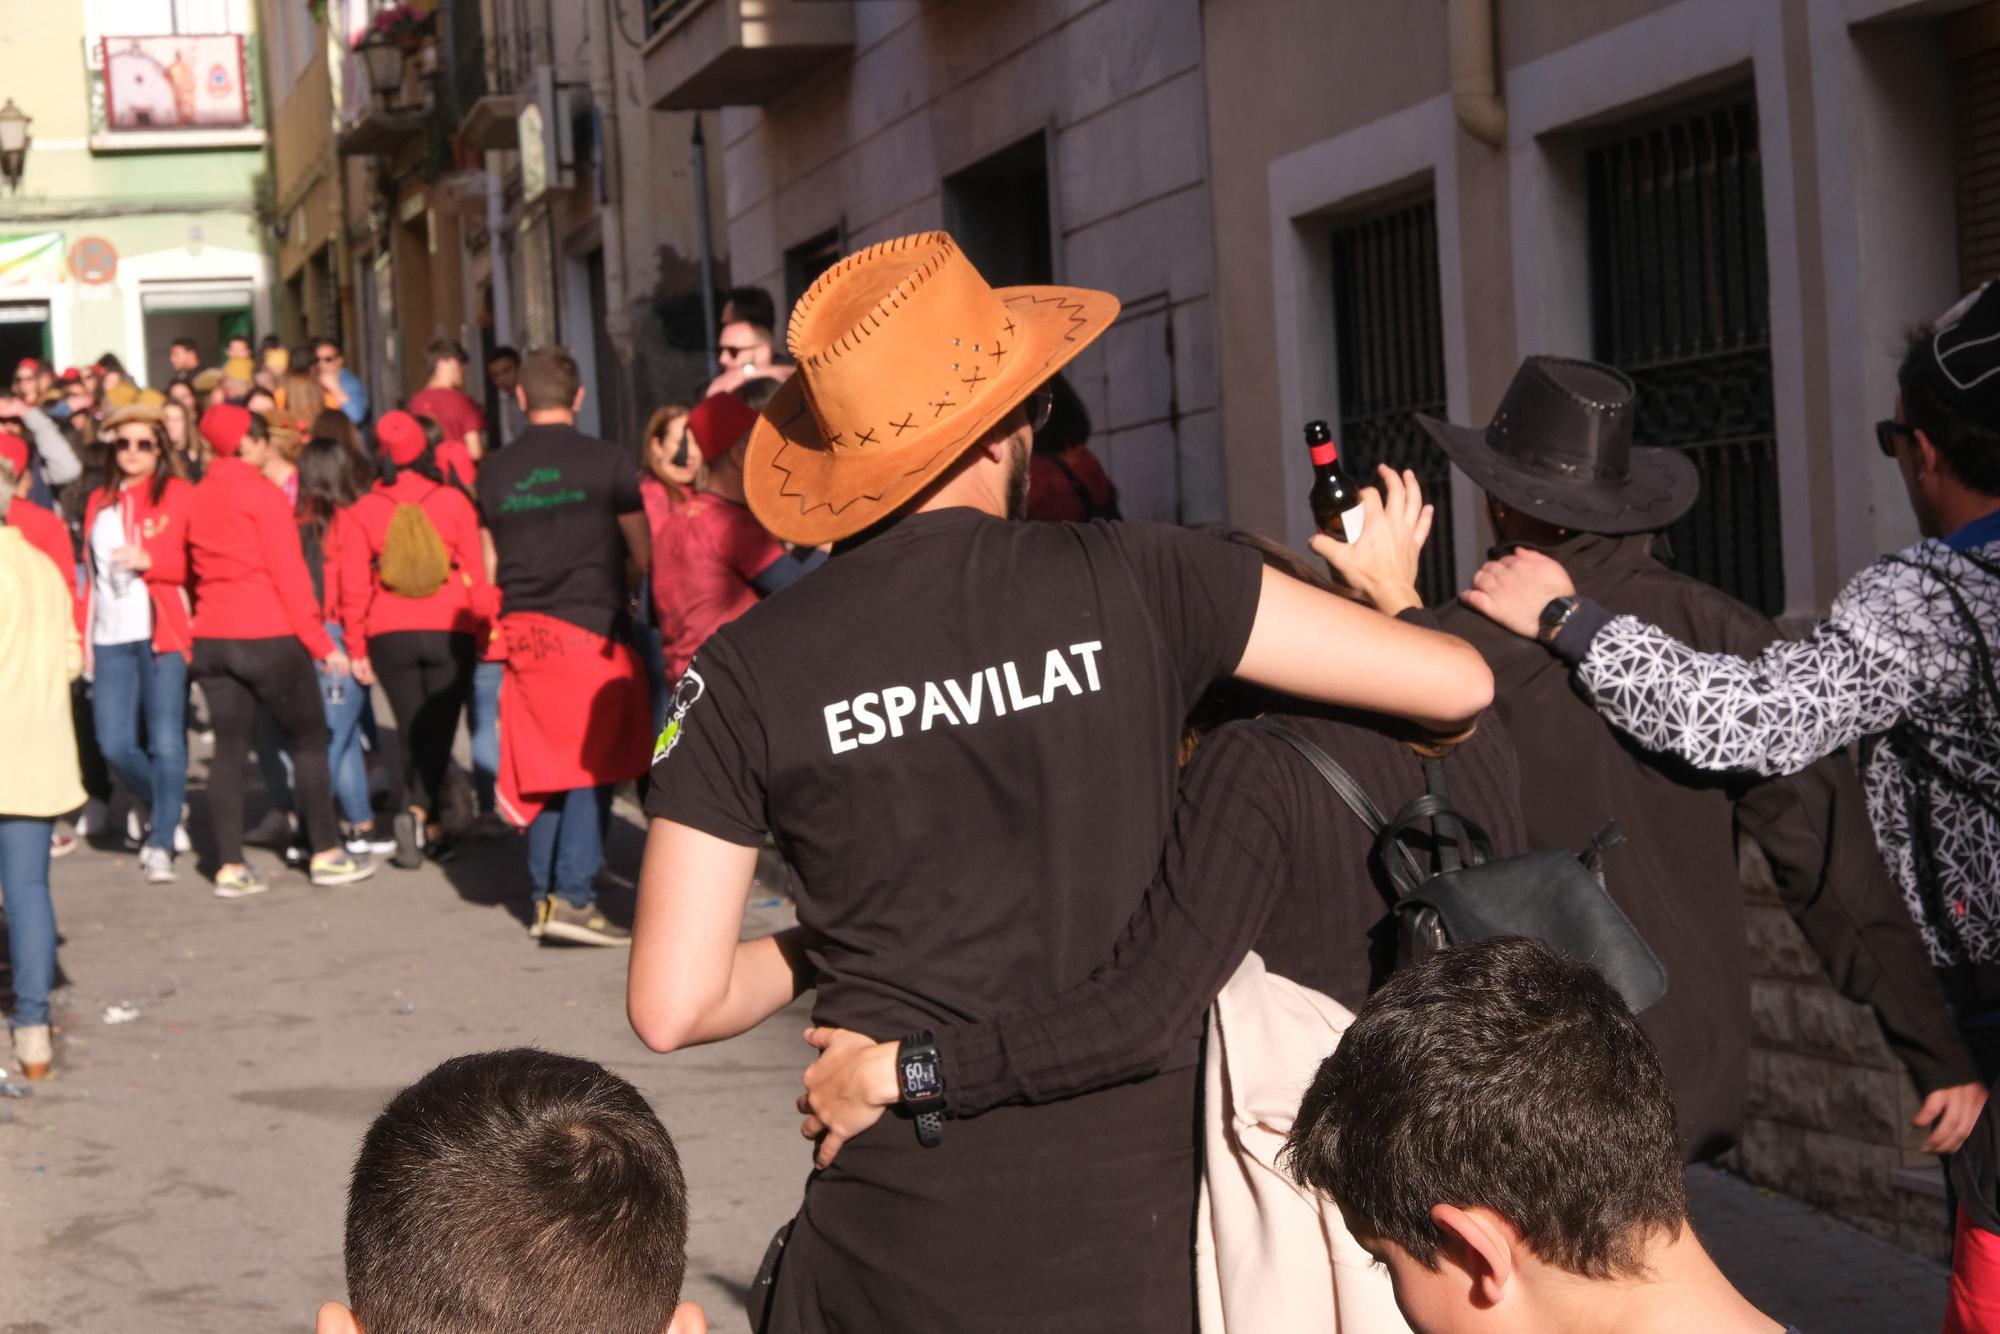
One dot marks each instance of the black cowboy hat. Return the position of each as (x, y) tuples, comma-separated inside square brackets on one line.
[(1560, 450)]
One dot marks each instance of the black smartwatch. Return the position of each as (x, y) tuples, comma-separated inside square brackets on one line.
[(920, 1080), (1554, 616)]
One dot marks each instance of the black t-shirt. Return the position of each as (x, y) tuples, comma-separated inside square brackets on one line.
[(552, 502), (964, 735)]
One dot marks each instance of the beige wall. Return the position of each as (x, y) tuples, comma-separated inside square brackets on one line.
[(932, 88)]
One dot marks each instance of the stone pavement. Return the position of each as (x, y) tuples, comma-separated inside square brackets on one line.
[(186, 1171)]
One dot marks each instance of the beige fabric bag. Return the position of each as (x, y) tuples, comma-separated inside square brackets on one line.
[(1271, 1258)]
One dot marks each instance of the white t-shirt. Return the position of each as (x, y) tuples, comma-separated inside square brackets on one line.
[(121, 608)]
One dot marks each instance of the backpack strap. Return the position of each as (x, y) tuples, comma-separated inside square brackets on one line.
[(1348, 790)]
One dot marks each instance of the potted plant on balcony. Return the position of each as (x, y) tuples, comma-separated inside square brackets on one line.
[(403, 26)]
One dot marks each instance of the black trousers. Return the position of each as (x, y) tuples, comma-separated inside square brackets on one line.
[(237, 675), (427, 675)]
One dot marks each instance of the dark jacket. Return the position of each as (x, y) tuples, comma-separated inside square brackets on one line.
[(1677, 877)]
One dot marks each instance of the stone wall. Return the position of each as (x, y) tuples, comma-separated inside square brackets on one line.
[(1829, 1110)]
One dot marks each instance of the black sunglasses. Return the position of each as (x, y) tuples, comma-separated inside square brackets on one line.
[(145, 446), (1886, 433)]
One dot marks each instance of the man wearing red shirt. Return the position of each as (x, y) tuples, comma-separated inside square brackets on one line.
[(257, 629), (443, 399)]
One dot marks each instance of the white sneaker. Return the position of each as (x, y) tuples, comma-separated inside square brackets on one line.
[(33, 1051), (157, 864), (373, 843), (93, 819), (182, 843), (135, 826)]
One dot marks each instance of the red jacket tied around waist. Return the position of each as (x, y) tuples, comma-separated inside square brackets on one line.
[(250, 577), (161, 527), (465, 603)]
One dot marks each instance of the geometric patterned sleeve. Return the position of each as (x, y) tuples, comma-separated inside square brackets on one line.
[(1887, 643)]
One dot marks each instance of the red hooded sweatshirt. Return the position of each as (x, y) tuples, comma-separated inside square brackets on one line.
[(250, 577), (162, 530), (463, 605)]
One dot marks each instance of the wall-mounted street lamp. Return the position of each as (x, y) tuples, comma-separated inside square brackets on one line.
[(13, 143), (383, 60)]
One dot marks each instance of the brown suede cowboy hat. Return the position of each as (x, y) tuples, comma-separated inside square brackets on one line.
[(1560, 449), (906, 358)]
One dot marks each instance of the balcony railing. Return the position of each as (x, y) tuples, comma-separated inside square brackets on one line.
[(173, 91)]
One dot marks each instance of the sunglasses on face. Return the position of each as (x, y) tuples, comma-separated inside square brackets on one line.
[(1886, 433), (1041, 406), (728, 353), (143, 444)]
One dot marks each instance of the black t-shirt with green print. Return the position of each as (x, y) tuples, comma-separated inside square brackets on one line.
[(551, 500)]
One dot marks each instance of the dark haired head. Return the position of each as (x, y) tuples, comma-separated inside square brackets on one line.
[(1497, 1074), (503, 353), (445, 349), (513, 1190), (550, 379), (332, 343), (1970, 449), (750, 304), (187, 345), (757, 390), (326, 481)]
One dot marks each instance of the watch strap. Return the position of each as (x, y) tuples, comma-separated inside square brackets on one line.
[(930, 1129), (1572, 642)]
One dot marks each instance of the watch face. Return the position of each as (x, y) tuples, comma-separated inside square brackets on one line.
[(920, 1078)]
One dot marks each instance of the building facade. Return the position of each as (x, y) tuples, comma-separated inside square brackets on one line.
[(487, 171), (137, 218), (1746, 205), (1059, 142)]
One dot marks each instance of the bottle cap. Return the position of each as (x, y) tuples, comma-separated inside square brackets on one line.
[(1318, 434)]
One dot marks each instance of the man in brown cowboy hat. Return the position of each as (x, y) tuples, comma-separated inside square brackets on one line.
[(1563, 478), (963, 733)]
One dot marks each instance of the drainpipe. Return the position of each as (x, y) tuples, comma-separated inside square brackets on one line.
[(698, 151), (611, 209), (1475, 94)]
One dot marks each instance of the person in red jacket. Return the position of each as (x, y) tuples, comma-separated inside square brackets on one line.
[(257, 631), (420, 640), (137, 633)]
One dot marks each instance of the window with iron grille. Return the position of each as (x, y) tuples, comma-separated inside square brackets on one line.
[(1680, 302), (1976, 91), (1389, 349)]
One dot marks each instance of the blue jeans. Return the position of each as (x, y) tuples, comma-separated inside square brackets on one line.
[(31, 917), (344, 753), (483, 721), (133, 681), (566, 844)]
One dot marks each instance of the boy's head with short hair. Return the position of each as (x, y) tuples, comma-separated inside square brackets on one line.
[(1499, 1133), (512, 1191)]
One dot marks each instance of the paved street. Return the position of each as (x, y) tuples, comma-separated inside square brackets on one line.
[(186, 1171)]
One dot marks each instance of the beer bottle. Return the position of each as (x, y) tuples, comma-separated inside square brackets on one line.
[(1336, 500)]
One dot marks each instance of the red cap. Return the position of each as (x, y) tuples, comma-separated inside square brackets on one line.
[(224, 427), (70, 376), (29, 364), (401, 437), (14, 449), (718, 422)]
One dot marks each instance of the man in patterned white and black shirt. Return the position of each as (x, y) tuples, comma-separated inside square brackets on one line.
[(1903, 662)]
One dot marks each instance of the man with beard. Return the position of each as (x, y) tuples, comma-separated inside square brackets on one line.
[(963, 734)]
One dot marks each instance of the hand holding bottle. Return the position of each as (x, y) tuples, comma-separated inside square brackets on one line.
[(1381, 565)]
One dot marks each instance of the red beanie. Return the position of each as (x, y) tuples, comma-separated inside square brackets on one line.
[(15, 450), (718, 422), (224, 427), (401, 437)]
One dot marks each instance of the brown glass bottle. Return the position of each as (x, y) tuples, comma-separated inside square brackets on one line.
[(1336, 500)]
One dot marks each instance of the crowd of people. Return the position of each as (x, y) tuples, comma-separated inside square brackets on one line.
[(1108, 838)]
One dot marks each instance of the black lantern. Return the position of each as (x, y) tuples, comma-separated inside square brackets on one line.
[(13, 143)]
